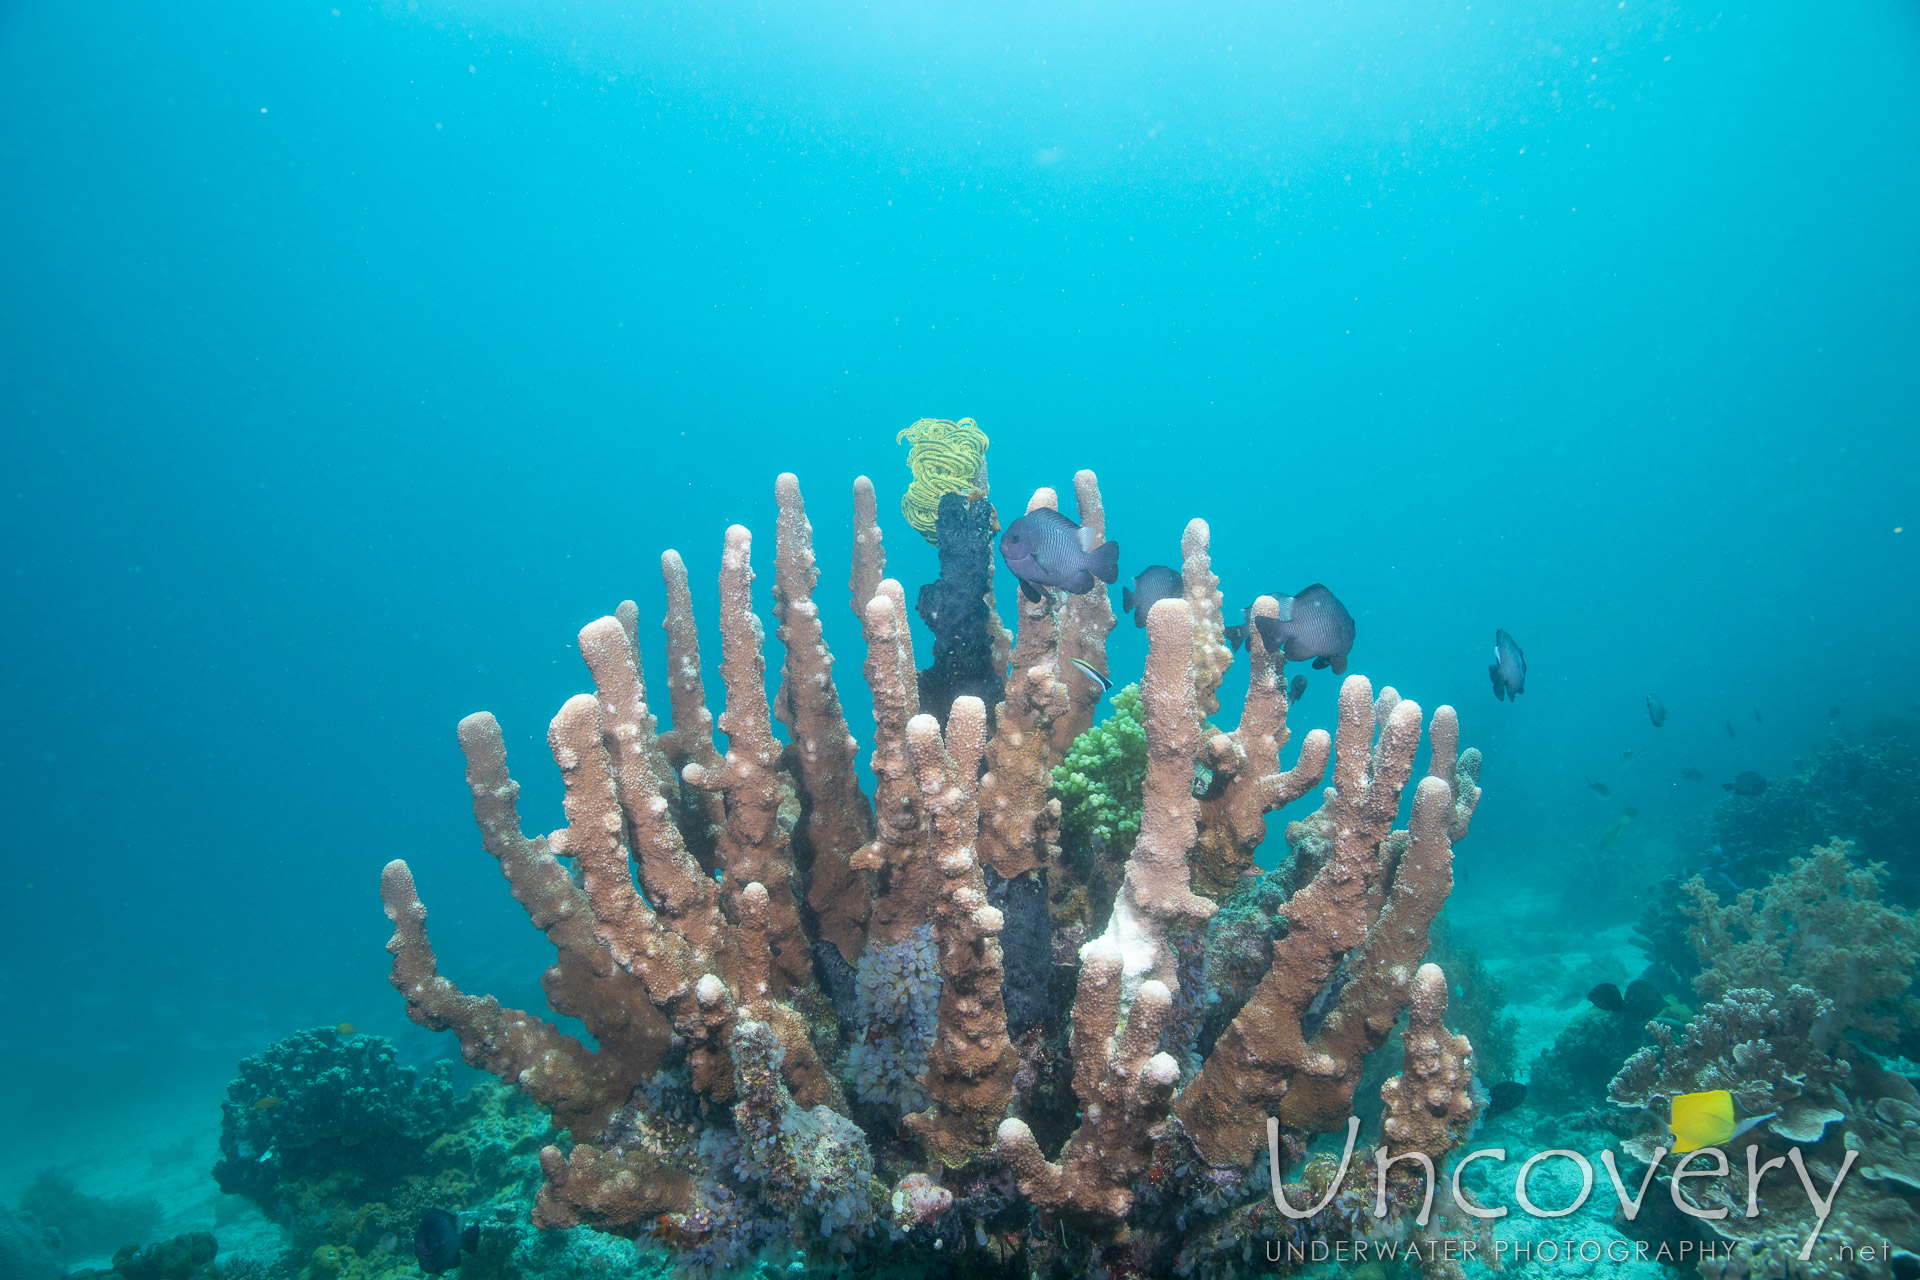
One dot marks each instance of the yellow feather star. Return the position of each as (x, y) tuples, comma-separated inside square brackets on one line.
[(945, 457)]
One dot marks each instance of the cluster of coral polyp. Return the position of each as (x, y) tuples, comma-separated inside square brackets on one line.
[(795, 992)]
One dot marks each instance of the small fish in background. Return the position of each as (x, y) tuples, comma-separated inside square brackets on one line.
[(1150, 586), (1641, 1000), (1087, 671), (345, 1029), (1747, 783), (1612, 833), (1607, 996), (1757, 717), (1313, 625), (1503, 1098), (1693, 775), (1833, 712), (1509, 669), (438, 1240), (1730, 732), (1296, 687), (268, 1103), (1045, 549), (1599, 788), (1656, 711), (1627, 754), (1706, 1120)]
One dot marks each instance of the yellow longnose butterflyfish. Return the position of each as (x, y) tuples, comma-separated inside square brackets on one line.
[(1706, 1120)]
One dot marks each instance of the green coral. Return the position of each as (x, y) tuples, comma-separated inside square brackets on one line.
[(1099, 781)]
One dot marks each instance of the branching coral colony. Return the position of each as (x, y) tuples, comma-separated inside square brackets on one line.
[(795, 993)]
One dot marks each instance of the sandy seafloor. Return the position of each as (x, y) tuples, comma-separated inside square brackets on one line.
[(146, 1144)]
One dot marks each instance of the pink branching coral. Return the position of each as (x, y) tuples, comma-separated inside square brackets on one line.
[(795, 990)]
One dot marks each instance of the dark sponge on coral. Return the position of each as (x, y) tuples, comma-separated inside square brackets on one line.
[(319, 1103), (955, 610)]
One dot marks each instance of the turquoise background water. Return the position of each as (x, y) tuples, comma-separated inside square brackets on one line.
[(351, 359)]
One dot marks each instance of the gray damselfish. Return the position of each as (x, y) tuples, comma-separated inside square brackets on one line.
[(1045, 549), (439, 1239), (1150, 586), (1313, 626), (1509, 669)]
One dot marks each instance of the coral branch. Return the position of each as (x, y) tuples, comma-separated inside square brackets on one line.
[(1018, 823), (586, 983), (1429, 1105), (670, 961), (970, 1070), (1085, 623), (835, 820), (1211, 657), (869, 556), (905, 885), (1157, 892), (691, 738), (1267, 1059), (675, 882), (1421, 863), (581, 1088), (1247, 781), (1123, 1086), (753, 842), (618, 1192)]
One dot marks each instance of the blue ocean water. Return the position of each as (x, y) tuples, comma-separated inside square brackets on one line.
[(355, 356)]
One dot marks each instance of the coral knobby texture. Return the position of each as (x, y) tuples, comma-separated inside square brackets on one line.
[(824, 1023)]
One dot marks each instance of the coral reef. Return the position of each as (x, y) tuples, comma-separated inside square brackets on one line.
[(87, 1226), (1573, 1073), (1800, 978), (851, 1078), (483, 1155), (188, 1257), (1866, 792), (24, 1249), (1830, 1112), (321, 1104), (1818, 924)]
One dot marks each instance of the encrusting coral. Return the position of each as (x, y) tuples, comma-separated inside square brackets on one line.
[(798, 997)]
